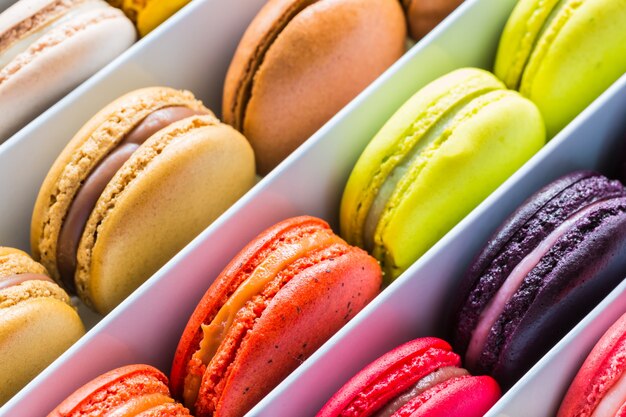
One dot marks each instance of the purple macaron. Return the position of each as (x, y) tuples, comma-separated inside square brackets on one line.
[(546, 267)]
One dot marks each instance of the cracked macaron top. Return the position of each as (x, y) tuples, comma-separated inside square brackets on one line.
[(565, 243), (599, 388), (318, 52), (420, 378), (562, 54), (276, 302), (103, 194), (37, 320), (132, 390), (438, 157)]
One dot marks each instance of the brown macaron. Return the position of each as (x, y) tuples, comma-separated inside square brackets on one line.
[(141, 179), (300, 62), (424, 15), (37, 321)]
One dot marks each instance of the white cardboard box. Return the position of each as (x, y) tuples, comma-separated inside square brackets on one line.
[(192, 51)]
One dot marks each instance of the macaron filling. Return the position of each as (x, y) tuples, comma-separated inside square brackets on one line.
[(88, 194), (24, 43), (614, 401), (138, 405), (494, 308), (266, 272), (429, 381), (408, 170), (244, 89), (13, 280)]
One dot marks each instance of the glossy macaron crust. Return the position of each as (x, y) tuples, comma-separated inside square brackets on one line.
[(562, 54), (599, 388), (277, 301), (133, 390), (47, 47), (541, 272), (419, 378), (424, 15), (135, 184), (148, 14), (300, 62), (438, 157), (37, 321)]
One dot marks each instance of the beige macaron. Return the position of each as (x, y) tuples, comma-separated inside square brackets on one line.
[(424, 15), (300, 61), (48, 47), (104, 241), (37, 321)]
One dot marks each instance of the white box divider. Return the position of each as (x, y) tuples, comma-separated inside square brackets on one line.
[(146, 327)]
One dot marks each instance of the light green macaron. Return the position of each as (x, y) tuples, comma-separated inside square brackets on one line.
[(437, 158), (562, 54)]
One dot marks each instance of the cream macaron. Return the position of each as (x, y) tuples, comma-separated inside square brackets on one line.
[(37, 321), (141, 179), (300, 62), (48, 47)]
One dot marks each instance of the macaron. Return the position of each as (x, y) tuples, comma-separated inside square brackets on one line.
[(37, 321), (421, 378), (546, 267), (563, 54), (141, 179), (300, 61), (277, 301), (133, 390), (148, 14), (424, 15), (444, 151), (48, 47), (599, 388)]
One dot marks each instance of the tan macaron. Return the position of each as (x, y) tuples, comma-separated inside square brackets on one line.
[(48, 47), (300, 62), (141, 179), (424, 15), (37, 321)]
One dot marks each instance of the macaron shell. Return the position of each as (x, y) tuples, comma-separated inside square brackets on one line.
[(600, 371), (301, 317), (313, 50), (166, 410), (518, 39), (163, 196), (115, 386), (573, 66), (391, 144), (245, 262), (518, 236), (481, 152), (58, 62), (33, 333), (424, 15), (15, 262), (578, 280), (470, 396), (155, 13), (93, 142), (368, 375)]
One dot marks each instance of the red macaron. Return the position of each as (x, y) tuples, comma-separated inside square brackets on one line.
[(137, 390), (421, 378), (599, 388), (278, 300)]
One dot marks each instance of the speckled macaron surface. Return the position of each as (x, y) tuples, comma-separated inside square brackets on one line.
[(37, 321), (173, 185), (47, 47)]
